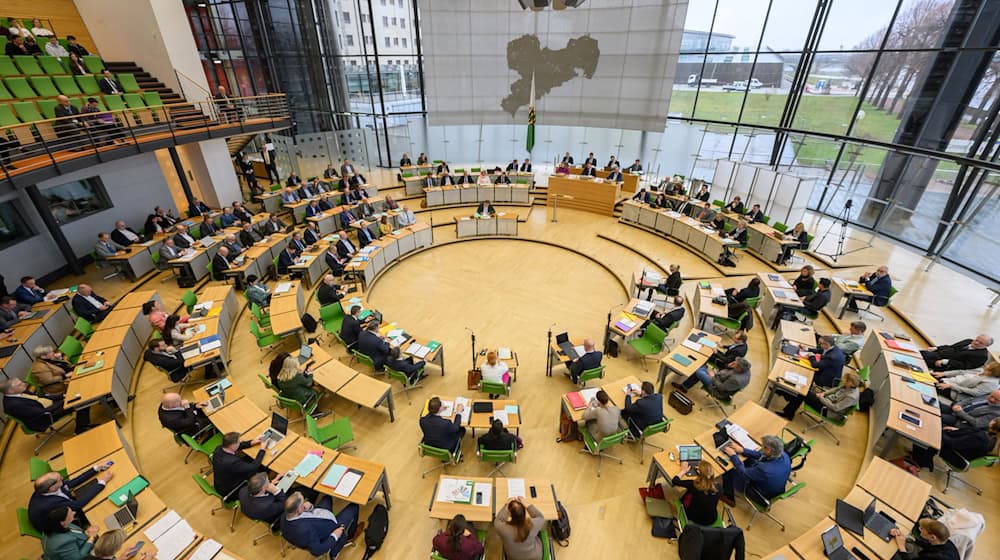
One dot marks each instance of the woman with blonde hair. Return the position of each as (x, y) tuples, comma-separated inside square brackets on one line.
[(701, 499), (295, 383), (109, 544), (965, 384), (799, 234), (518, 527)]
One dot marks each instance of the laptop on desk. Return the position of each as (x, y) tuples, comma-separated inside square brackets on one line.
[(124, 516), (8, 350), (850, 518), (305, 353), (833, 545), (277, 431), (562, 341), (878, 522)]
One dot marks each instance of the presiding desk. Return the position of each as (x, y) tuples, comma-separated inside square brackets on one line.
[(581, 193), (472, 226), (629, 182)]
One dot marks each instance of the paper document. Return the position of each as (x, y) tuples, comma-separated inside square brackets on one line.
[(169, 519), (204, 305), (628, 388), (924, 389), (794, 377), (206, 550), (333, 476), (172, 543), (579, 350), (503, 353), (483, 494), (446, 408), (211, 345), (589, 394), (501, 415), (56, 293), (740, 436), (718, 292), (456, 491), (347, 483), (194, 352), (691, 345), (515, 487), (283, 287), (308, 464)]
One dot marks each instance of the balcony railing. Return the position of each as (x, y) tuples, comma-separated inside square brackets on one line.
[(35, 146)]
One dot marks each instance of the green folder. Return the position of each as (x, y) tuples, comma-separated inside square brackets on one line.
[(120, 496), (682, 360), (97, 365), (433, 345)]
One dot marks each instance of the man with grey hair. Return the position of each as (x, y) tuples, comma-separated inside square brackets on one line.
[(721, 384), (760, 474), (261, 500), (976, 412), (969, 353), (852, 341), (316, 528)]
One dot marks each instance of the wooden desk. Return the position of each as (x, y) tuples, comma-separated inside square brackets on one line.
[(757, 420), (783, 553), (774, 280), (556, 356), (107, 338), (290, 457), (369, 392), (239, 416), (85, 450), (545, 499), (901, 391), (136, 299), (333, 375), (93, 388), (697, 358), (200, 395), (846, 291), (860, 499), (472, 512), (776, 381), (373, 480), (794, 333), (511, 361), (929, 432), (810, 544), (703, 306), (123, 470), (482, 419), (150, 507), (630, 313), (904, 493)]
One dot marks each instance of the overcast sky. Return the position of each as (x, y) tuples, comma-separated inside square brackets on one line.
[(850, 21)]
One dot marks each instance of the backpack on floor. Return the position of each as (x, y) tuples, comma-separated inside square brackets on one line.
[(612, 349), (309, 323), (377, 529), (560, 527)]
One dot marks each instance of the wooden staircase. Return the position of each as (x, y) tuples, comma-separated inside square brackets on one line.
[(181, 112), (237, 143)]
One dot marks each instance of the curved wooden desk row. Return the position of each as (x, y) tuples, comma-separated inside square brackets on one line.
[(472, 226), (415, 184), (381, 253), (298, 209), (272, 203), (52, 325), (471, 194)]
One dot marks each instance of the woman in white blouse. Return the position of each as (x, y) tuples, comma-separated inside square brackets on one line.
[(484, 178), (494, 370)]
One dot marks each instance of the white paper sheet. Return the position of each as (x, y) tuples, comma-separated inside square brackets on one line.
[(206, 550), (487, 494), (347, 483), (172, 543), (515, 487), (168, 520)]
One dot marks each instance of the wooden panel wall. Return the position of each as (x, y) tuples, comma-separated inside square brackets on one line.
[(62, 15)]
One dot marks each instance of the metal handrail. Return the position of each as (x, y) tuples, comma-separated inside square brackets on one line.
[(48, 142)]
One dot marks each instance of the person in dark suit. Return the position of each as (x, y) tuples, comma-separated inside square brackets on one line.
[(328, 292), (485, 209), (828, 361), (241, 212), (67, 126), (407, 365), (89, 305), (38, 413), (526, 166), (52, 491), (261, 500), (439, 432), (665, 319), (182, 238), (166, 358), (220, 264), (968, 353), (763, 474), (588, 170), (612, 163), (311, 235), (273, 225), (817, 300), (735, 206), (230, 468), (248, 237), (307, 190), (959, 445), (738, 349), (805, 282), (371, 344), (405, 161), (334, 261), (287, 258), (751, 290), (466, 179), (124, 235), (738, 233), (703, 194), (180, 416), (567, 159), (645, 411), (590, 359), (28, 293), (313, 209), (348, 217), (615, 175), (350, 328), (755, 215), (512, 166), (109, 85), (207, 227), (345, 248), (878, 283), (365, 236), (198, 208), (11, 312), (347, 169), (358, 179), (497, 438), (316, 528), (330, 172), (502, 179), (635, 167), (293, 180)]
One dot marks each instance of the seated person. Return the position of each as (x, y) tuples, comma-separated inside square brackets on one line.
[(261, 500), (390, 203), (752, 290), (701, 496), (483, 179), (878, 283), (518, 526), (960, 445), (350, 328), (207, 227), (738, 309), (497, 438), (273, 225), (724, 383), (316, 528), (964, 354), (365, 237), (671, 285), (665, 320), (562, 168), (37, 413), (502, 179), (614, 175), (106, 248), (405, 365), (718, 222), (805, 282), (642, 196), (345, 248), (287, 258), (965, 384), (439, 432), (227, 219), (220, 264), (703, 194), (365, 210), (494, 370), (735, 206), (798, 233), (406, 217), (976, 412), (198, 208), (181, 416), (64, 539), (763, 473), (832, 403), (167, 358), (334, 261), (602, 418), (11, 312), (313, 209), (311, 235), (817, 300), (296, 382), (932, 532), (458, 541), (124, 235), (738, 233), (257, 292), (706, 214), (230, 242), (89, 305), (372, 344), (590, 359), (755, 215), (466, 179), (289, 196), (485, 209), (182, 238), (384, 227), (51, 371), (828, 361), (852, 341), (646, 410), (51, 491), (328, 292), (588, 171), (28, 292), (230, 467), (738, 349)]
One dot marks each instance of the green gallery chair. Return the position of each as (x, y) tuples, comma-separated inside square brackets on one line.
[(597, 449), (446, 457), (208, 489), (498, 458), (649, 344), (590, 374)]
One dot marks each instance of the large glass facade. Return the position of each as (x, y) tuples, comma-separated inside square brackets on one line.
[(890, 103)]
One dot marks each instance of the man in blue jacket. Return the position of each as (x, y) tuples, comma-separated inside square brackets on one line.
[(51, 491), (28, 293), (440, 432), (590, 359), (879, 284), (828, 361), (762, 474), (645, 411), (315, 527)]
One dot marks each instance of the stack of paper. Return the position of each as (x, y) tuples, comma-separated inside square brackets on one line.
[(740, 436), (157, 529), (447, 407), (348, 483), (692, 345), (579, 350), (206, 550), (417, 350), (503, 353), (795, 378), (174, 540), (589, 394), (283, 287)]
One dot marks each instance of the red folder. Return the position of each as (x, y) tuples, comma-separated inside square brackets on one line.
[(576, 400)]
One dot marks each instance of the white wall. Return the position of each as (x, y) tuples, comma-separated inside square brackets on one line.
[(135, 186), (213, 172)]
